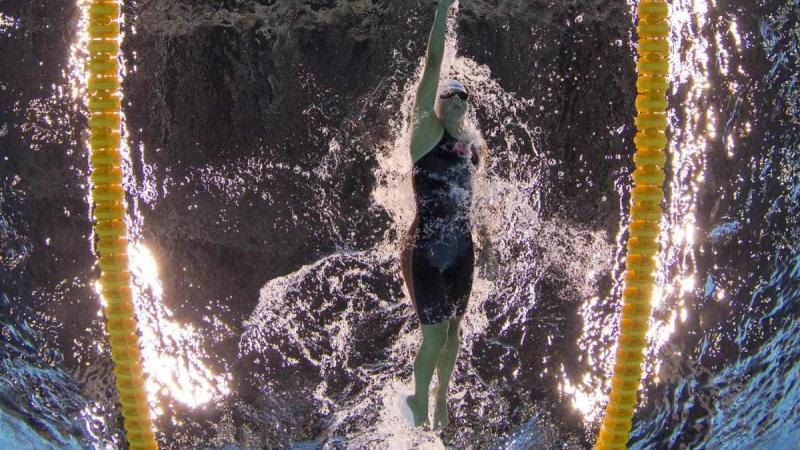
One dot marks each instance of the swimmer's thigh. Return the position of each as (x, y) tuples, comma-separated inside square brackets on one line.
[(458, 279), (430, 292)]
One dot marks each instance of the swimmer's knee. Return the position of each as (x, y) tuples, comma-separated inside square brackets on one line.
[(434, 343), (454, 327), (435, 335)]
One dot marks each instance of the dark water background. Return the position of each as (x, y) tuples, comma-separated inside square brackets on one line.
[(268, 188)]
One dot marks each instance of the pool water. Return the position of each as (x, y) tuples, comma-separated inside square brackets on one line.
[(268, 181)]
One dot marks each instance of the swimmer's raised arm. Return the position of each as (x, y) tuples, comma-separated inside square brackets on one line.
[(426, 127), (426, 92)]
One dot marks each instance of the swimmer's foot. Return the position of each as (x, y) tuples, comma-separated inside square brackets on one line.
[(420, 411), (441, 417)]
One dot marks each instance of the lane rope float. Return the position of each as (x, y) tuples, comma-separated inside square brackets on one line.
[(646, 197), (108, 196)]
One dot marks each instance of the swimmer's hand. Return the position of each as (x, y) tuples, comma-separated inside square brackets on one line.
[(488, 265), (446, 3), (475, 154), (494, 269), (487, 260)]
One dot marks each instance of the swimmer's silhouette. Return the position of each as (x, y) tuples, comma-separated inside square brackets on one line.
[(438, 256)]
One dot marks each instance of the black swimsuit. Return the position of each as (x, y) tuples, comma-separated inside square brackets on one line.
[(443, 255)]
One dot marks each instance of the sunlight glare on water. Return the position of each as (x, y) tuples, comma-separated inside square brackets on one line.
[(689, 59), (173, 352)]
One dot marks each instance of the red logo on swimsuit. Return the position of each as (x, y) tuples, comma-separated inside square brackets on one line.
[(462, 148), (458, 147)]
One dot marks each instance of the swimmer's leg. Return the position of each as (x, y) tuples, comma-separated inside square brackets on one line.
[(444, 370), (433, 339)]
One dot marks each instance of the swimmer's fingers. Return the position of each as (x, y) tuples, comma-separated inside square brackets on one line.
[(488, 263), (493, 269)]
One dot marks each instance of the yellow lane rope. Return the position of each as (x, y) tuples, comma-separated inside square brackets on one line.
[(109, 213), (646, 197)]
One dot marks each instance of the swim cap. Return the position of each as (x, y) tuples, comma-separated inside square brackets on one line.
[(449, 85)]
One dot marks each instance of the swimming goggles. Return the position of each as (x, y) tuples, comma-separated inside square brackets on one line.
[(450, 94)]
